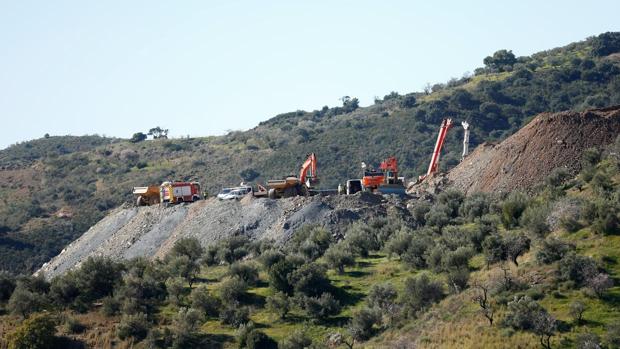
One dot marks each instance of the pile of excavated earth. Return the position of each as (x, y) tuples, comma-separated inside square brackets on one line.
[(151, 231), (518, 163), (549, 141)]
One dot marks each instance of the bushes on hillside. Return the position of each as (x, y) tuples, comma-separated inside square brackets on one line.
[(512, 209), (338, 257), (39, 331), (134, 326), (553, 249), (420, 292), (203, 301)]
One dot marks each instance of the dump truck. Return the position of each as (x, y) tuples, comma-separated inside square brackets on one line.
[(302, 185), (178, 192), (146, 196)]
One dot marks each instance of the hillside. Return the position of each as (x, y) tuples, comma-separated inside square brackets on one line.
[(55, 188), (483, 270), (521, 162), (130, 232)]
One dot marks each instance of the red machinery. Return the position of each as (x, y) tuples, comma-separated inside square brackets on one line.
[(441, 138), (176, 192), (388, 172), (308, 172), (385, 179)]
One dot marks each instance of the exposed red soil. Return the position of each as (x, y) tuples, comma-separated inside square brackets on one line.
[(549, 141)]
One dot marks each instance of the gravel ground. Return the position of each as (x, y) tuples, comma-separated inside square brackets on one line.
[(151, 231)]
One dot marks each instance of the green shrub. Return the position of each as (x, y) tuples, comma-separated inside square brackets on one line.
[(419, 211), (512, 209), (457, 279), (612, 335), (271, 257), (7, 285), (202, 301), (235, 315), (552, 249), (73, 325), (382, 296), (110, 306), (175, 288), (24, 302), (279, 274), (246, 271), (516, 245), (338, 257), (256, 339), (362, 323), (279, 304), (322, 307), (420, 292), (475, 206), (577, 268), (296, 340), (37, 332), (232, 290), (185, 328), (415, 255), (310, 280), (361, 239), (493, 249), (534, 219), (487, 226), (452, 199), (134, 326), (438, 216)]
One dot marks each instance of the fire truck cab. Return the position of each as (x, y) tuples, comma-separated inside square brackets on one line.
[(178, 192)]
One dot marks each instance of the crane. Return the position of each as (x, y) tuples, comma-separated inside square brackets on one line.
[(465, 139), (446, 124)]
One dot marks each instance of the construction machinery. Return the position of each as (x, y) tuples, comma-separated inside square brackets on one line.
[(446, 124), (384, 180), (296, 186), (178, 192), (146, 196), (465, 139)]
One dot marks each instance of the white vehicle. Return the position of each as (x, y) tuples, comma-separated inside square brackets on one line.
[(224, 192), (235, 193)]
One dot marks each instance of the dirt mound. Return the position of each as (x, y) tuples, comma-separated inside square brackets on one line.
[(130, 232), (526, 158)]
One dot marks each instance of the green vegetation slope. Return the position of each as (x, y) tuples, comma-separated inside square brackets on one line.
[(54, 188)]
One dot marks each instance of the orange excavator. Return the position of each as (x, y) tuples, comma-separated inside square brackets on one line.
[(384, 180), (446, 124), (296, 186)]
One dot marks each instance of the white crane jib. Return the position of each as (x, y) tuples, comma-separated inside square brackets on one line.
[(465, 139)]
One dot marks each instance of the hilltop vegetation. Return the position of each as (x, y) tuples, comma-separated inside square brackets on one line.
[(56, 187), (515, 270)]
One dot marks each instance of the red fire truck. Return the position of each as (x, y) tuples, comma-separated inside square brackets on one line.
[(177, 192)]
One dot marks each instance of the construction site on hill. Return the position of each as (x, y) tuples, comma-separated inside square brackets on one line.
[(519, 162)]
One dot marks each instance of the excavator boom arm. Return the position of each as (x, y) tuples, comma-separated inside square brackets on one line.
[(441, 138), (308, 169)]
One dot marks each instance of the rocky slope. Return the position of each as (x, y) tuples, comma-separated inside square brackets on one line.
[(526, 158), (130, 232)]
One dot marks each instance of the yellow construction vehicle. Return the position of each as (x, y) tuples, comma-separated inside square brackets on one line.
[(296, 186), (146, 196)]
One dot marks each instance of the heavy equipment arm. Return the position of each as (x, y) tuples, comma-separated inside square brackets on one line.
[(441, 138), (308, 171)]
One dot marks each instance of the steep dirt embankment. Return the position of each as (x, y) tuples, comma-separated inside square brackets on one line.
[(151, 231), (528, 157)]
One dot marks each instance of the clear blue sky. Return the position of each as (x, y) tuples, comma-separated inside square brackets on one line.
[(204, 67)]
